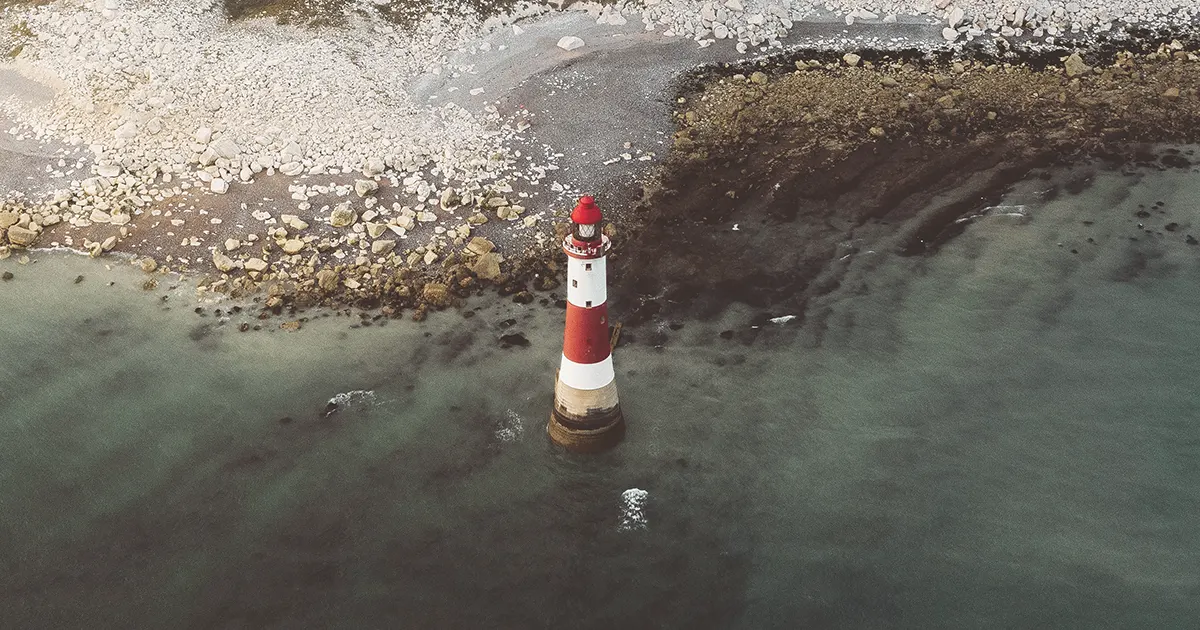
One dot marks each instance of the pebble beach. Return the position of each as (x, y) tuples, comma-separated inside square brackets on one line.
[(263, 153)]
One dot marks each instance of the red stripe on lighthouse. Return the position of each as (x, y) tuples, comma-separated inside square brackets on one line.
[(586, 338)]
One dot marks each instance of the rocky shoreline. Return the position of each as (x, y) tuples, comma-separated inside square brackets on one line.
[(807, 150), (786, 168)]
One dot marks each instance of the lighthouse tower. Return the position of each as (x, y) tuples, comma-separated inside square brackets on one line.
[(586, 416)]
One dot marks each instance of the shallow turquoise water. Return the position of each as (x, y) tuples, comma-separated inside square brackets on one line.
[(1001, 435)]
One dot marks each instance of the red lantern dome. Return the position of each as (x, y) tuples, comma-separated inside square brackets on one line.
[(587, 212)]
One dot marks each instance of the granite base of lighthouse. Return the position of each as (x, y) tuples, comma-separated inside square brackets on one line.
[(586, 420)]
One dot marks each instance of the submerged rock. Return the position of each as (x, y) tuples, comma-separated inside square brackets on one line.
[(514, 339)]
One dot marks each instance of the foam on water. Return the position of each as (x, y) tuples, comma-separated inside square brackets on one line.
[(633, 510), (1020, 211), (511, 427), (358, 399)]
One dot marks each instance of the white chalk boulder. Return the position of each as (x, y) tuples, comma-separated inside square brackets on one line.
[(222, 262), (374, 166), (955, 17), (364, 187), (91, 186), (342, 216), (128, 131), (570, 42), (225, 147)]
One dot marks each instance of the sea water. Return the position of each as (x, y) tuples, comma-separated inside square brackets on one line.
[(1002, 434)]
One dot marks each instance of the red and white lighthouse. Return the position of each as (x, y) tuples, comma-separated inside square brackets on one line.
[(587, 415)]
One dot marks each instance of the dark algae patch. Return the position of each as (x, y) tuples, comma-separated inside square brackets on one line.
[(781, 169)]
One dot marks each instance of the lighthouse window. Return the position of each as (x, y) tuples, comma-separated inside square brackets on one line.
[(589, 304), (587, 266), (575, 283)]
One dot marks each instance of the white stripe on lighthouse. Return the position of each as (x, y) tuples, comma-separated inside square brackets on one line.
[(586, 285), (586, 375)]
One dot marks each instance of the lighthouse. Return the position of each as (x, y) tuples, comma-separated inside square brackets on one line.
[(586, 415)]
